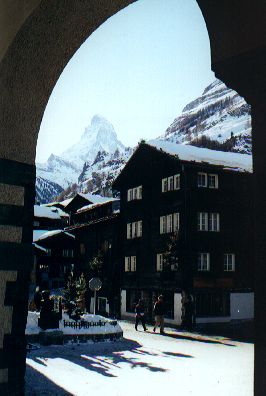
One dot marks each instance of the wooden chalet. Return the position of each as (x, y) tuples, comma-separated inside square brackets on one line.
[(97, 230), (61, 257), (200, 202)]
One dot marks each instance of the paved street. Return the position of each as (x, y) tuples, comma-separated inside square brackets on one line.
[(144, 364)]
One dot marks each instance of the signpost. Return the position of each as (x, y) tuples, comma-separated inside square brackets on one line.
[(95, 284)]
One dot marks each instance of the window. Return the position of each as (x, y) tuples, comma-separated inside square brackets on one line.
[(49, 252), (36, 223), (169, 223), (202, 179), (204, 262), (134, 193), (134, 230), (171, 183), (212, 304), (207, 180), (130, 263), (213, 181), (229, 262), (159, 263), (202, 221), (68, 253), (214, 222), (208, 221)]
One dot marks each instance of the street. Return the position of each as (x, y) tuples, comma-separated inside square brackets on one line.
[(145, 364)]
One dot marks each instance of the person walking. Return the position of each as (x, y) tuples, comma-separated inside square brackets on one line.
[(159, 314), (140, 315)]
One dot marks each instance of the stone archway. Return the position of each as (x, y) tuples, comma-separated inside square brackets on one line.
[(44, 36)]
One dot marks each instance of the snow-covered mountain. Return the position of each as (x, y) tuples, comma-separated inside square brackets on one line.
[(89, 165), (100, 136), (219, 119)]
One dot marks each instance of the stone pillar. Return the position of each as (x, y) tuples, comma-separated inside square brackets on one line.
[(259, 161), (16, 212)]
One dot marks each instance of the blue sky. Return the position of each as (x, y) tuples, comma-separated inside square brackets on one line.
[(139, 69)]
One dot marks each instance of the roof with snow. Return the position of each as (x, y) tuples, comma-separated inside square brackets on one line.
[(185, 152), (49, 212), (91, 198), (49, 234), (94, 205)]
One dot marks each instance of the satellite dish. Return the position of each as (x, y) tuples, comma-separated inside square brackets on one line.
[(95, 284)]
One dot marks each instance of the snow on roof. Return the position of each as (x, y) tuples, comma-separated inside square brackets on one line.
[(94, 205), (37, 234), (49, 212), (66, 202), (96, 199), (49, 234), (39, 247), (232, 161)]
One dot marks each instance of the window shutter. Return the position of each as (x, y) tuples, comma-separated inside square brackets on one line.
[(176, 221), (129, 229)]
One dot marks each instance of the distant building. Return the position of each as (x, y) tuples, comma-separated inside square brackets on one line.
[(97, 230), (202, 199)]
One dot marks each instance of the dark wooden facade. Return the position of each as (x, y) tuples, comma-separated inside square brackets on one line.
[(97, 231), (232, 200)]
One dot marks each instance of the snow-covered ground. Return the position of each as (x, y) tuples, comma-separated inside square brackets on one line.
[(143, 364)]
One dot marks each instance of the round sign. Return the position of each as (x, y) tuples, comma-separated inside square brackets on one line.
[(95, 284)]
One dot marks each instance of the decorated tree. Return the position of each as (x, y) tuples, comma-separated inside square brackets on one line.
[(171, 254)]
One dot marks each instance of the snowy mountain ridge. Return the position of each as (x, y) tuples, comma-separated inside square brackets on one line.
[(219, 119)]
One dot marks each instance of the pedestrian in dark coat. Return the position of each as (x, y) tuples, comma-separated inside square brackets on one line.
[(159, 314), (140, 315)]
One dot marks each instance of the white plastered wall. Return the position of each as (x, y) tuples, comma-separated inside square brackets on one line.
[(242, 305)]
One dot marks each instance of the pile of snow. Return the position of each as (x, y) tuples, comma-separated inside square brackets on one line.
[(234, 161), (106, 325)]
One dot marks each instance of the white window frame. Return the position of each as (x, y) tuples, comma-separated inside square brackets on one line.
[(68, 253), (202, 221), (229, 267), (127, 264), (129, 230), (214, 222), (177, 181), (204, 262), (170, 183), (139, 192), (169, 223), (162, 224), (215, 176), (139, 230), (159, 262), (133, 263), (176, 221), (200, 179), (164, 185), (134, 193)]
